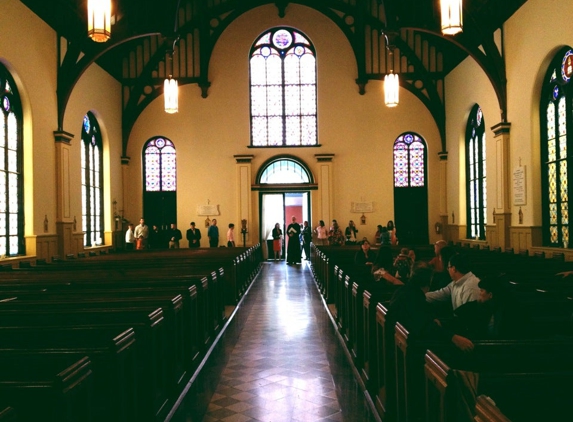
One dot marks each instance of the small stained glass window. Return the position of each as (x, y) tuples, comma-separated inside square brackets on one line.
[(284, 171), (409, 161), (160, 166), (283, 90), (92, 182)]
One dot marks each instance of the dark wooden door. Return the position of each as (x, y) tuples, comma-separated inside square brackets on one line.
[(160, 208), (411, 215)]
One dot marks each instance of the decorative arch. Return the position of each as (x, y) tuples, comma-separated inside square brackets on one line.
[(285, 170), (556, 114)]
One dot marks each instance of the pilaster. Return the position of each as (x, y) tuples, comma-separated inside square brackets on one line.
[(244, 198), (325, 186), (502, 203)]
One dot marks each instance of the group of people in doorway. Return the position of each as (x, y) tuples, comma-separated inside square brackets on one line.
[(141, 237), (296, 235)]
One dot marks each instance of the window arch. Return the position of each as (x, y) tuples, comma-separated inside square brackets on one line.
[(160, 167), (283, 89), (284, 171), (92, 181), (556, 136), (409, 161), (476, 186), (11, 162)]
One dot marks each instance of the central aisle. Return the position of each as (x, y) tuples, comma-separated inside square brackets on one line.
[(279, 360)]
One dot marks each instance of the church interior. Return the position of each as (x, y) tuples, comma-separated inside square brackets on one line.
[(445, 120)]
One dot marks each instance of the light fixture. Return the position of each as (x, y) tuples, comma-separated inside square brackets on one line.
[(391, 80), (99, 20), (171, 93), (170, 86), (452, 22)]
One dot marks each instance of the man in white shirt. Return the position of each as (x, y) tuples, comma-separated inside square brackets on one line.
[(129, 238), (463, 288), (141, 234)]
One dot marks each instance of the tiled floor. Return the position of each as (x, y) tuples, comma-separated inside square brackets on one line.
[(279, 360)]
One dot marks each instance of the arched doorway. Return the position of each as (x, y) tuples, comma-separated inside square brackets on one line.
[(284, 184)]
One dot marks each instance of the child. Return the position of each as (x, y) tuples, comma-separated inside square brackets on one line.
[(231, 236), (403, 264)]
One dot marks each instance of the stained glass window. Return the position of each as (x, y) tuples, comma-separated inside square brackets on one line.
[(283, 90), (92, 181), (283, 171), (409, 161), (556, 110), (11, 194), (476, 186), (160, 166)]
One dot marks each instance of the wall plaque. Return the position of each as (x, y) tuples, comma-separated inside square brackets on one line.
[(519, 186), (208, 210), (361, 207)]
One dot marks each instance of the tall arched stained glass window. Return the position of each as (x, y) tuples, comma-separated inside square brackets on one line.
[(476, 187), (409, 161), (160, 166), (92, 181), (283, 89), (556, 111), (11, 186)]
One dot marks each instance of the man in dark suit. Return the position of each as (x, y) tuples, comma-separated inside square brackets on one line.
[(194, 236)]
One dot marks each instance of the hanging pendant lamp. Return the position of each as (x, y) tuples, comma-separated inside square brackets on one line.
[(171, 94), (391, 90), (99, 20), (452, 19)]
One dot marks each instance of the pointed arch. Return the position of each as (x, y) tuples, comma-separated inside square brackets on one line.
[(476, 186)]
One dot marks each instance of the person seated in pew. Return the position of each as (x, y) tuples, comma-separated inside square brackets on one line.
[(442, 278), (383, 267), (436, 263), (464, 285), (364, 256), (408, 306), (496, 314)]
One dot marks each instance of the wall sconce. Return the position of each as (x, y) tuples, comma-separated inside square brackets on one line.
[(452, 19), (99, 20)]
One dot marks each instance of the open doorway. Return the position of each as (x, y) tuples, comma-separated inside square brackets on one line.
[(280, 207)]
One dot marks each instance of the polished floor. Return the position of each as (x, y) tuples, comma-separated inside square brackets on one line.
[(279, 360)]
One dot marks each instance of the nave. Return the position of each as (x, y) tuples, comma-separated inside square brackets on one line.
[(278, 360)]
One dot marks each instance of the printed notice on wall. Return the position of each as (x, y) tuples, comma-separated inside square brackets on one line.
[(519, 188)]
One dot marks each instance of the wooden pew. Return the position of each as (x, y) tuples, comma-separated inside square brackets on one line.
[(51, 386), (487, 411)]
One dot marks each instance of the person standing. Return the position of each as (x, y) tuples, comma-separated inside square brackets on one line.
[(277, 234), (193, 236), (174, 236), (293, 248), (154, 240), (231, 236), (213, 234), (350, 233), (129, 238), (306, 239), (335, 236), (321, 233), (141, 234)]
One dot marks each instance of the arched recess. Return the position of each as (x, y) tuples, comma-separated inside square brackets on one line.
[(284, 184), (410, 157), (159, 182)]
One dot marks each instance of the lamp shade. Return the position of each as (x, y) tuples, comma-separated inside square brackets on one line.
[(391, 90), (452, 22), (99, 20), (171, 94)]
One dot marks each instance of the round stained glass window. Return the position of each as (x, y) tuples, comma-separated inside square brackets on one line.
[(282, 38), (408, 139), (160, 143), (567, 66), (299, 50), (265, 51), (6, 104)]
